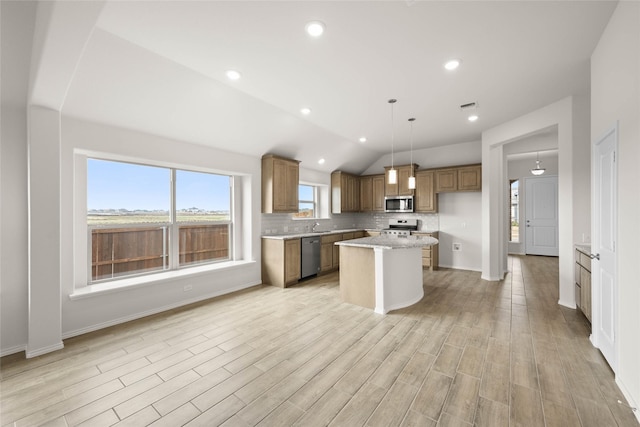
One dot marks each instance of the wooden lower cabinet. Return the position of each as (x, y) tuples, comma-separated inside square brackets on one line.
[(280, 262), (430, 253), (583, 282), (327, 252)]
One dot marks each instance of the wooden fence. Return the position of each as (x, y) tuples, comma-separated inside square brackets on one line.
[(123, 251)]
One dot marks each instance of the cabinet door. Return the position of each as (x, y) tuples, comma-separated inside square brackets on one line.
[(326, 256), (390, 189), (291, 187), (426, 199), (446, 180), (404, 172), (354, 193), (377, 184), (291, 260), (470, 178), (280, 185), (366, 194)]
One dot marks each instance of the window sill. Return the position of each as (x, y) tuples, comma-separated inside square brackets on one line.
[(151, 279)]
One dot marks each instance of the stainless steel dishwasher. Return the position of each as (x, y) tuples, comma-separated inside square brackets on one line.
[(309, 256)]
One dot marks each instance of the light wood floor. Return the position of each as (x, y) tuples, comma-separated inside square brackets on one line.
[(471, 352)]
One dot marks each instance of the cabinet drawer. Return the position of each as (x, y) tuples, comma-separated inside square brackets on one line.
[(348, 236), (585, 261), (331, 238)]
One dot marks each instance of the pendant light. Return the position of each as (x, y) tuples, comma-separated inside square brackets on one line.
[(393, 174), (537, 170), (412, 179)]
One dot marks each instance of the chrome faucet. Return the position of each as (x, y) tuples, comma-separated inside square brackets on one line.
[(314, 226)]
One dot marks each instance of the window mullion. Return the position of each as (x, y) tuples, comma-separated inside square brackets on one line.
[(174, 237)]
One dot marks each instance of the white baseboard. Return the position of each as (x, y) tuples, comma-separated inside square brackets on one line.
[(140, 315), (29, 353), (458, 267), (13, 350), (627, 395)]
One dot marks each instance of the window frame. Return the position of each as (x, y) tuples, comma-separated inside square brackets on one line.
[(172, 226), (315, 192)]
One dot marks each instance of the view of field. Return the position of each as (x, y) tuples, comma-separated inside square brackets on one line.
[(108, 220)]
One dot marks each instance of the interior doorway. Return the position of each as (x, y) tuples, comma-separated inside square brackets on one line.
[(541, 217)]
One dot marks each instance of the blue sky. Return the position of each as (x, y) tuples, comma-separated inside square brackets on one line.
[(116, 185)]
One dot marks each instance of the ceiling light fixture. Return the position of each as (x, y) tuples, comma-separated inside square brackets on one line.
[(472, 118), (233, 75), (321, 162), (363, 139), (452, 64), (412, 179), (314, 28), (537, 170), (393, 174), (306, 111)]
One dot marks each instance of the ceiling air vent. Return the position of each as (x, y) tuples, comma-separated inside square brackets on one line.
[(469, 106)]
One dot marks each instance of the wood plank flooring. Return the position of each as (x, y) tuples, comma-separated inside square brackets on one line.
[(470, 353)]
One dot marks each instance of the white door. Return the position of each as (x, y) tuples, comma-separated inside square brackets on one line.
[(541, 216), (603, 229)]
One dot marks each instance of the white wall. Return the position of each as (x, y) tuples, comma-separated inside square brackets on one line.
[(85, 314), (17, 34), (460, 222), (615, 96)]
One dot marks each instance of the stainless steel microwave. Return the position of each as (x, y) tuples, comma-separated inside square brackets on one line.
[(398, 204)]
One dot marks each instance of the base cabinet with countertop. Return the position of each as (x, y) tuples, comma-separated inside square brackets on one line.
[(583, 280), (280, 262)]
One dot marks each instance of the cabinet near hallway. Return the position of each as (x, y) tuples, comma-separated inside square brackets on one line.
[(353, 193)]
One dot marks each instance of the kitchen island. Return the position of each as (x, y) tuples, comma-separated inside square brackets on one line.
[(382, 273)]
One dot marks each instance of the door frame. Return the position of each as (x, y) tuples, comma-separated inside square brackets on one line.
[(595, 239)]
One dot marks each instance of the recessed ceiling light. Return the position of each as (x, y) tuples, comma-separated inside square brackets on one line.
[(306, 111), (233, 75), (472, 118), (363, 139), (321, 162), (452, 64), (315, 28)]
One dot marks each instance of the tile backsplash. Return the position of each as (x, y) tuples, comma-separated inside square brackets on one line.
[(284, 223)]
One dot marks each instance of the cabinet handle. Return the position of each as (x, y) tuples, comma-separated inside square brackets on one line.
[(595, 256)]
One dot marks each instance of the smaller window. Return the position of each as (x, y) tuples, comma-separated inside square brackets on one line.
[(307, 201), (515, 212)]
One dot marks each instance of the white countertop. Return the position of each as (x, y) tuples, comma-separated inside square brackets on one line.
[(390, 242), (299, 235)]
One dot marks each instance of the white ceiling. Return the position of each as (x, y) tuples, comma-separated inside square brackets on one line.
[(159, 67)]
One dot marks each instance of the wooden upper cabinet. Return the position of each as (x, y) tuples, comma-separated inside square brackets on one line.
[(377, 184), (366, 193), (372, 193), (470, 178), (279, 184), (446, 180), (401, 188), (345, 192), (463, 178), (425, 199)]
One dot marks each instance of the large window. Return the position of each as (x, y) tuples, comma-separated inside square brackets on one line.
[(307, 201), (144, 219)]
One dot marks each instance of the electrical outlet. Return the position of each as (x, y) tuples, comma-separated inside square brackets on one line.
[(456, 247), (187, 288)]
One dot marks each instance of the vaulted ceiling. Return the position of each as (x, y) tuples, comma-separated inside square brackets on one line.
[(159, 67)]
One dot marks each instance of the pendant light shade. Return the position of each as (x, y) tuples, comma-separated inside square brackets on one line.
[(393, 174), (537, 170), (412, 179)]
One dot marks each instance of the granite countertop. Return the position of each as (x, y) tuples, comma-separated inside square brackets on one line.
[(390, 242), (298, 235)]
